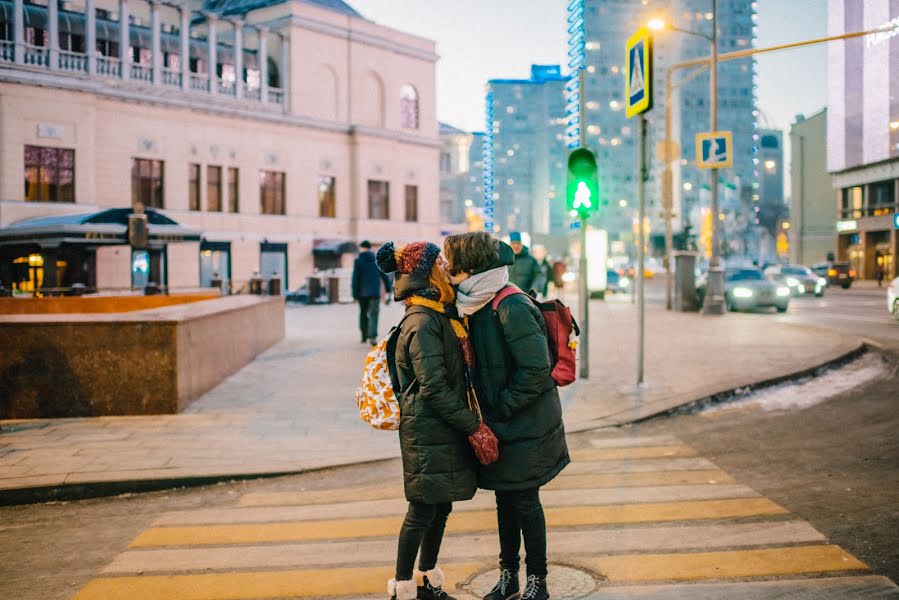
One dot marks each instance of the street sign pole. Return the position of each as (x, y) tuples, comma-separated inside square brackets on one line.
[(641, 261), (584, 295), (714, 299)]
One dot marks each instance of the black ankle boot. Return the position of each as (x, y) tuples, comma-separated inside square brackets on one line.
[(429, 592), (535, 589), (506, 588)]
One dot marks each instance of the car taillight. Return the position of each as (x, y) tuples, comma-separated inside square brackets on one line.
[(851, 272), (831, 272)]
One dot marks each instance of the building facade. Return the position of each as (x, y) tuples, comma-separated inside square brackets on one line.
[(315, 129), (812, 218), (863, 134), (455, 173)]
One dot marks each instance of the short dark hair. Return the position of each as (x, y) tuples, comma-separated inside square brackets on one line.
[(469, 252), (365, 244)]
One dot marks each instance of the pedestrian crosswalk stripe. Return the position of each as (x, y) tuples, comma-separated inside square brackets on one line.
[(462, 522), (639, 466), (596, 454)]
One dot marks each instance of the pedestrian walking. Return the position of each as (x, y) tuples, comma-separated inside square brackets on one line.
[(367, 291), (525, 272), (879, 271), (519, 401), (442, 437)]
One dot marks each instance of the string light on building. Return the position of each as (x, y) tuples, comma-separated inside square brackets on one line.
[(489, 196), (577, 46)]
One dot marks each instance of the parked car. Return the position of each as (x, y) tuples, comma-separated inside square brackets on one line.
[(836, 273), (893, 298), (616, 283), (799, 278), (747, 289)]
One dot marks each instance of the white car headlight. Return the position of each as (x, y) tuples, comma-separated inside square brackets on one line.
[(742, 292), (783, 291), (568, 277), (624, 282), (793, 282), (821, 282)]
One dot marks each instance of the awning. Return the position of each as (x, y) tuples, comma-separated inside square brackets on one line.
[(106, 227), (333, 247)]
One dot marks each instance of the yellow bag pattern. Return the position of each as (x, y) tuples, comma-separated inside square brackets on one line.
[(376, 399)]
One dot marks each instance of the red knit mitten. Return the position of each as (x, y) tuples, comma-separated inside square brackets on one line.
[(485, 444)]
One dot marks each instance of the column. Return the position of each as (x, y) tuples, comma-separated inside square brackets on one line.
[(184, 32), (238, 58), (53, 32), (212, 46), (90, 41), (124, 40), (262, 58), (155, 42), (285, 69), (19, 30)]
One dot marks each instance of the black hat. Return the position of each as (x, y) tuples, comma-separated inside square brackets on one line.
[(365, 244)]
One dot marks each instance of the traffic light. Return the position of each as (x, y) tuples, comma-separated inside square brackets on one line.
[(582, 191)]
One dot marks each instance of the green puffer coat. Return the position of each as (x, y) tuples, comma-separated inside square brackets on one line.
[(435, 421), (519, 398)]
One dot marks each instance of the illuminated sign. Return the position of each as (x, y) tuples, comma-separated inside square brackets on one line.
[(896, 220), (638, 74), (843, 226)]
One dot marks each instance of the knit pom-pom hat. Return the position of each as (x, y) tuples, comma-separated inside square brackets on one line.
[(415, 259)]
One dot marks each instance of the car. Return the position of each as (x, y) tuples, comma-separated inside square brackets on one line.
[(893, 298), (799, 278), (748, 289), (616, 283), (836, 273)]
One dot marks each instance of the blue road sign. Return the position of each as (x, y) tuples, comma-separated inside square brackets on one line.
[(638, 73), (896, 220), (714, 150)]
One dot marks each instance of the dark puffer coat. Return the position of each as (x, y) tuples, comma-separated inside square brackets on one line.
[(518, 396), (435, 421)]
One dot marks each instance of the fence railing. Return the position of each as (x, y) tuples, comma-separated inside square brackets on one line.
[(276, 95), (74, 62), (141, 72), (108, 66), (37, 56), (171, 77), (7, 51), (199, 82)]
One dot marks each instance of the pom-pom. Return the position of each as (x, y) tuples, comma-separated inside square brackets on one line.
[(387, 258)]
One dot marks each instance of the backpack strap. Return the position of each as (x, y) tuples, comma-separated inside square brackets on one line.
[(510, 290), (392, 339)]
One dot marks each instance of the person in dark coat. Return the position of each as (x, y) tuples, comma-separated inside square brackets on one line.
[(437, 428), (519, 401), (525, 272), (367, 282)]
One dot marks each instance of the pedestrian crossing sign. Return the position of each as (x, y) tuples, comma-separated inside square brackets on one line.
[(638, 73), (714, 150)]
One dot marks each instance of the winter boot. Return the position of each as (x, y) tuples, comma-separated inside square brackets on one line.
[(506, 588), (433, 586), (535, 589), (402, 590)]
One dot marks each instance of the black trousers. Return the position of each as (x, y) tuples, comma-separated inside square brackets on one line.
[(520, 514), (368, 317), (422, 529)]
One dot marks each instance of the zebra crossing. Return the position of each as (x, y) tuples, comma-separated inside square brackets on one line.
[(632, 517)]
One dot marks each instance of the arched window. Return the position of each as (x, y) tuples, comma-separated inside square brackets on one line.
[(409, 107)]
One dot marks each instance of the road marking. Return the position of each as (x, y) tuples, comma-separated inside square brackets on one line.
[(462, 522), (639, 465), (601, 454)]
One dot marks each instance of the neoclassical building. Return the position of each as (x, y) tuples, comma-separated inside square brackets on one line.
[(262, 136)]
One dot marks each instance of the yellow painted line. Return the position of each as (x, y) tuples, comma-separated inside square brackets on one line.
[(460, 522), (636, 452), (650, 478), (256, 585), (768, 562), (328, 496)]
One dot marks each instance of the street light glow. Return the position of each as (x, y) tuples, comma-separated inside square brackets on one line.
[(894, 125), (656, 24)]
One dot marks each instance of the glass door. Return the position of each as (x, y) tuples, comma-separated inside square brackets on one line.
[(215, 263)]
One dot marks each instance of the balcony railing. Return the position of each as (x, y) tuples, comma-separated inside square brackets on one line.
[(226, 88), (250, 93), (108, 66), (37, 56), (7, 51), (171, 77), (74, 62), (276, 95), (199, 82), (141, 72)]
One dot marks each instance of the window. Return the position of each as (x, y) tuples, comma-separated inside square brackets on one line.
[(214, 189), (378, 199), (234, 189), (49, 174), (408, 107), (146, 182), (271, 192), (411, 203), (327, 202), (446, 162), (193, 186)]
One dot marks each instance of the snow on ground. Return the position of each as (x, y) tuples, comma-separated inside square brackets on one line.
[(814, 390)]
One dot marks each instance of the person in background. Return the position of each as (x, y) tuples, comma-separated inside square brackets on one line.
[(879, 271), (367, 282), (526, 273)]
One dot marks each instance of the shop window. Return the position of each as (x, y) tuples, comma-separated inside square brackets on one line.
[(49, 174), (147, 182), (378, 199), (271, 192), (193, 186), (327, 200), (214, 189), (411, 203), (234, 189)]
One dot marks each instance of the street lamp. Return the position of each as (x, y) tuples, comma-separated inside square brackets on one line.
[(714, 300)]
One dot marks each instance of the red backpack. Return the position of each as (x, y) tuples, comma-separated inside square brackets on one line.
[(559, 326)]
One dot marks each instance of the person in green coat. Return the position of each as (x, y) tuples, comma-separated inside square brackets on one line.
[(519, 401), (438, 429), (525, 271)]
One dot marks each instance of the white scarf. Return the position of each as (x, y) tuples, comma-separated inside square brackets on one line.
[(478, 291)]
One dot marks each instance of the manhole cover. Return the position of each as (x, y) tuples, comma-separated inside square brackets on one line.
[(564, 582)]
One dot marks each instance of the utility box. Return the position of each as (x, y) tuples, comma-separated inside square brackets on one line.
[(685, 297)]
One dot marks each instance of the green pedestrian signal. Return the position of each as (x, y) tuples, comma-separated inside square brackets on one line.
[(582, 190)]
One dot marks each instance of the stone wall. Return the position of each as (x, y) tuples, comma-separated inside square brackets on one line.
[(145, 362)]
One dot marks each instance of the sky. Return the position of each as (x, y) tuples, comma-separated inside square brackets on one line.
[(479, 40)]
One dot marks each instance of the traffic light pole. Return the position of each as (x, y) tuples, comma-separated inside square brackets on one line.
[(641, 240), (584, 292)]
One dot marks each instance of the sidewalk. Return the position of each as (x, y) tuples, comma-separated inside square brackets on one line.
[(292, 409)]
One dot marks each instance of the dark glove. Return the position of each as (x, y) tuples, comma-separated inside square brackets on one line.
[(485, 445)]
